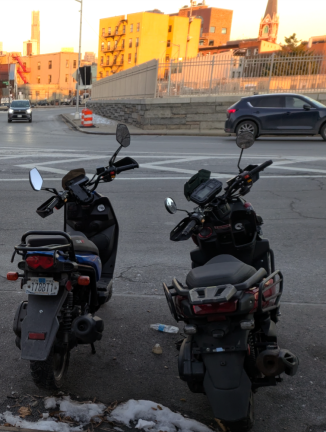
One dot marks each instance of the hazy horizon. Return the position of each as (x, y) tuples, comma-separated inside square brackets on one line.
[(60, 20)]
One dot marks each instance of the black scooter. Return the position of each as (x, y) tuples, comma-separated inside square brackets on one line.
[(67, 274), (231, 299)]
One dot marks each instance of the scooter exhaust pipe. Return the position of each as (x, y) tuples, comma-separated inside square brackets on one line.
[(88, 328), (273, 362)]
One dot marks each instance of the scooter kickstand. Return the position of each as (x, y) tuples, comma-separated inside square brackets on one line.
[(93, 348)]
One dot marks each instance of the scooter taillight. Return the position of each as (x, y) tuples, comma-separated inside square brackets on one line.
[(215, 308), (43, 261)]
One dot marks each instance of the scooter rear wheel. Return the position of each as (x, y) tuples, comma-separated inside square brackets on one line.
[(50, 374), (244, 425)]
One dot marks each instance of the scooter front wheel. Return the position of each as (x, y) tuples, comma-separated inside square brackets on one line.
[(50, 374)]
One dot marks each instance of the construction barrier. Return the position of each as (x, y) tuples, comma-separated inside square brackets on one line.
[(87, 117)]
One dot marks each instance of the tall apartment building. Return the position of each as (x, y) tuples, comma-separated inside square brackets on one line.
[(126, 41), (36, 32), (90, 57), (215, 23), (48, 75)]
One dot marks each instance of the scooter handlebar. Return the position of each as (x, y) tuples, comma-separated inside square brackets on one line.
[(191, 225)]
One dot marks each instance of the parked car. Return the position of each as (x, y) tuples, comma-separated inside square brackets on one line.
[(4, 106), (277, 114), (74, 101), (20, 110), (66, 102), (43, 102)]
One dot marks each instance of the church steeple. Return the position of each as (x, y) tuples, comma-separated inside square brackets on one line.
[(269, 24)]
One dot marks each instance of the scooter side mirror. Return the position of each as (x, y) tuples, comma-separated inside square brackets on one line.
[(35, 179), (123, 135), (245, 140), (170, 205)]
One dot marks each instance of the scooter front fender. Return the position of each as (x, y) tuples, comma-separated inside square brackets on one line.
[(42, 317)]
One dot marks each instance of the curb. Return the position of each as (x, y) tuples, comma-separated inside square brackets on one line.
[(175, 132)]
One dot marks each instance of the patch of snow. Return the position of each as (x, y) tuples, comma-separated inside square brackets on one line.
[(50, 403), (101, 120), (144, 424), (45, 425), (81, 412), (163, 418)]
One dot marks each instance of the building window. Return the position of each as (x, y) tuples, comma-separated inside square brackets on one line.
[(212, 29), (38, 80), (129, 58), (224, 30), (124, 29), (130, 43), (107, 73), (167, 58), (138, 27), (123, 44), (233, 74), (103, 31), (108, 61), (101, 74), (67, 63), (109, 46), (201, 42), (102, 59), (266, 30), (137, 42), (211, 43), (115, 44), (50, 79), (239, 74), (122, 60), (75, 64), (37, 94), (131, 28), (170, 28), (256, 51), (67, 78), (109, 31), (102, 46), (135, 57), (50, 64), (115, 60), (116, 29), (168, 43)]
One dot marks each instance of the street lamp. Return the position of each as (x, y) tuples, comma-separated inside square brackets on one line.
[(77, 116)]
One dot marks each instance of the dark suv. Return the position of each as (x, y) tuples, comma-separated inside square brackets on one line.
[(20, 110), (277, 114)]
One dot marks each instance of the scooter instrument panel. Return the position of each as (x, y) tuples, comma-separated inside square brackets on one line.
[(204, 193)]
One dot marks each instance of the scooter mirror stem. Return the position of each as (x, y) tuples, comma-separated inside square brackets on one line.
[(240, 170)]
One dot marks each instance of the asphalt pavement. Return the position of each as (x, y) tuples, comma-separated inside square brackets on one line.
[(290, 197)]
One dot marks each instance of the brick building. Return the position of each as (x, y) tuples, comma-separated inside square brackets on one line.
[(215, 23)]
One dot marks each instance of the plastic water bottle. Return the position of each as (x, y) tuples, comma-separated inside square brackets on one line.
[(164, 328)]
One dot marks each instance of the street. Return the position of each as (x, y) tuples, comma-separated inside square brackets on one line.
[(290, 197)]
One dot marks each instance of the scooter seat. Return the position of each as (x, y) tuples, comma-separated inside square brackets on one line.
[(80, 242), (220, 270)]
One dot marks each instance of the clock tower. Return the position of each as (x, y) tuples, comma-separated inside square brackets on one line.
[(269, 24)]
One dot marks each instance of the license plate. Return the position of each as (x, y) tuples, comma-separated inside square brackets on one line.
[(42, 286), (19, 115)]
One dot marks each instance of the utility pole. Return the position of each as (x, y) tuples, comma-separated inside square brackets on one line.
[(77, 117)]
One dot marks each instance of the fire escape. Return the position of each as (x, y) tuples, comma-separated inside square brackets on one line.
[(118, 47), (22, 70)]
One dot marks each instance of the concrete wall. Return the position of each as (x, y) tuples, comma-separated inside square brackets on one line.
[(198, 114), (195, 113), (139, 81)]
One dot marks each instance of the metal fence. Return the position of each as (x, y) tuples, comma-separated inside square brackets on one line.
[(230, 74)]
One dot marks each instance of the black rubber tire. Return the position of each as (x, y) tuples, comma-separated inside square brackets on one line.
[(9, 121), (248, 126), (110, 294), (44, 374), (323, 131), (244, 425)]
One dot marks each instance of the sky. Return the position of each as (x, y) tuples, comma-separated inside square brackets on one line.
[(60, 19)]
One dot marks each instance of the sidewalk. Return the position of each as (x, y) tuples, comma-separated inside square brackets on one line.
[(109, 128)]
